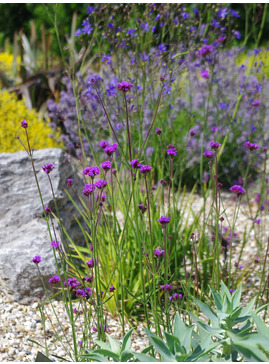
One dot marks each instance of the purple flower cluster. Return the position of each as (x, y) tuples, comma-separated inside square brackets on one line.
[(251, 146), (84, 292), (24, 124), (124, 86), (54, 279), (145, 169), (106, 166), (175, 297), (164, 220), (239, 190), (159, 253), (47, 168), (36, 259), (135, 164), (166, 287), (142, 208), (88, 189), (91, 171), (72, 282), (55, 244), (172, 152), (90, 263)]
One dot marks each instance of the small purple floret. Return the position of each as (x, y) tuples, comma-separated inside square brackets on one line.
[(47, 168), (214, 145), (175, 296), (55, 244), (100, 184), (88, 189), (135, 164), (251, 146), (54, 279), (70, 182), (36, 259), (164, 220), (106, 166), (159, 253), (145, 169), (24, 124), (158, 131), (124, 86), (239, 190), (172, 152), (112, 288), (166, 287)]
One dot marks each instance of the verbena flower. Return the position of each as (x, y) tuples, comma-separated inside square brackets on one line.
[(36, 259), (47, 209), (232, 290), (55, 244), (72, 282), (256, 103), (109, 150), (164, 220), (114, 171), (124, 86), (100, 184), (205, 50), (175, 297), (192, 133), (172, 152), (103, 144), (239, 190), (88, 189), (24, 124), (54, 279), (162, 181), (142, 208), (256, 261), (83, 292), (166, 287), (258, 221), (214, 145), (158, 131), (88, 279), (70, 182), (159, 253), (145, 169), (204, 74), (47, 168), (91, 171), (112, 288), (251, 146), (90, 263), (106, 166), (135, 164)]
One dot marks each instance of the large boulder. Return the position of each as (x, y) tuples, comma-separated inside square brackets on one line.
[(23, 228)]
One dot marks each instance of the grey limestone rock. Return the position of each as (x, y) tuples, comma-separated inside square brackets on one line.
[(23, 228)]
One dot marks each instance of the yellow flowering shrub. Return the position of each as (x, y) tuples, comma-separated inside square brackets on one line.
[(12, 112), (6, 64), (247, 60)]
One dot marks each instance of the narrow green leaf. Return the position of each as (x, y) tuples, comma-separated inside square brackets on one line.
[(246, 310), (261, 326), (186, 339), (171, 341), (126, 355), (35, 342), (224, 290), (180, 327), (144, 358), (102, 345), (160, 346), (217, 299), (108, 353), (95, 357), (115, 346), (207, 311), (236, 297), (126, 343)]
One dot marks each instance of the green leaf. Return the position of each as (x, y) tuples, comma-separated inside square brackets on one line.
[(217, 299), (115, 346), (246, 310), (95, 357), (171, 341), (224, 290), (186, 339), (126, 355), (108, 353), (102, 345), (41, 357), (35, 342), (261, 326), (126, 343), (207, 311), (144, 358), (236, 297), (248, 348), (160, 346), (181, 357), (180, 327)]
